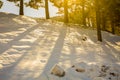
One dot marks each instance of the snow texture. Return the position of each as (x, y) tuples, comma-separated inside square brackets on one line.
[(29, 49)]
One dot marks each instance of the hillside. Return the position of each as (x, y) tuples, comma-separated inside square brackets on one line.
[(28, 51)]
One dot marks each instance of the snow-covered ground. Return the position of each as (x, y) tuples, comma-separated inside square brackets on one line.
[(28, 51)]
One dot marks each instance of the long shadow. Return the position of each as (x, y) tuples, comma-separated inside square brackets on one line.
[(72, 54), (111, 38), (6, 72), (114, 53), (111, 52), (56, 52), (5, 29), (16, 39)]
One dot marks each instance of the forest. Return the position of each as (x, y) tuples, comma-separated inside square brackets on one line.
[(101, 15), (81, 43)]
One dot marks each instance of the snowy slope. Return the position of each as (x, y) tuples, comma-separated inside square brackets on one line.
[(28, 51)]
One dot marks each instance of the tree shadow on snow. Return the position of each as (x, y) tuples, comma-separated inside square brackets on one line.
[(55, 53)]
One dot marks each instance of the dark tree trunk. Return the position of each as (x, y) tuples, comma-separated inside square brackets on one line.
[(89, 22), (1, 4), (113, 26), (83, 13), (66, 11), (98, 21), (21, 12), (103, 22), (47, 9), (93, 22)]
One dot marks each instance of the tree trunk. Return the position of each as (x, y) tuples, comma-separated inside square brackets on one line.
[(113, 26), (66, 11), (47, 9), (21, 12), (103, 22), (1, 4), (98, 21), (89, 22), (83, 13)]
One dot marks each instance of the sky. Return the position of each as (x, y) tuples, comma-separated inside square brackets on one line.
[(11, 8)]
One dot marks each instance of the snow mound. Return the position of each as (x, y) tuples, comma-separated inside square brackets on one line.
[(16, 18)]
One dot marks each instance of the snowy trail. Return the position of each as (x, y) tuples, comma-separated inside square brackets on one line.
[(28, 49)]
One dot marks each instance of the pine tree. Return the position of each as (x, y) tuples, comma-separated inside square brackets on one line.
[(66, 11), (21, 12), (20, 4), (47, 9), (36, 4), (98, 20)]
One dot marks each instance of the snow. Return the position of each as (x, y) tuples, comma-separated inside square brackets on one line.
[(28, 51)]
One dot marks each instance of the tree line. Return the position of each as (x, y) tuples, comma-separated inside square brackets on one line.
[(102, 15), (35, 4)]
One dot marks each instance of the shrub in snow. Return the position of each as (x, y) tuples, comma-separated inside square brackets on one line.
[(57, 70)]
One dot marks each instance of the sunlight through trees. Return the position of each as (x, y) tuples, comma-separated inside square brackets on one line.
[(103, 15)]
